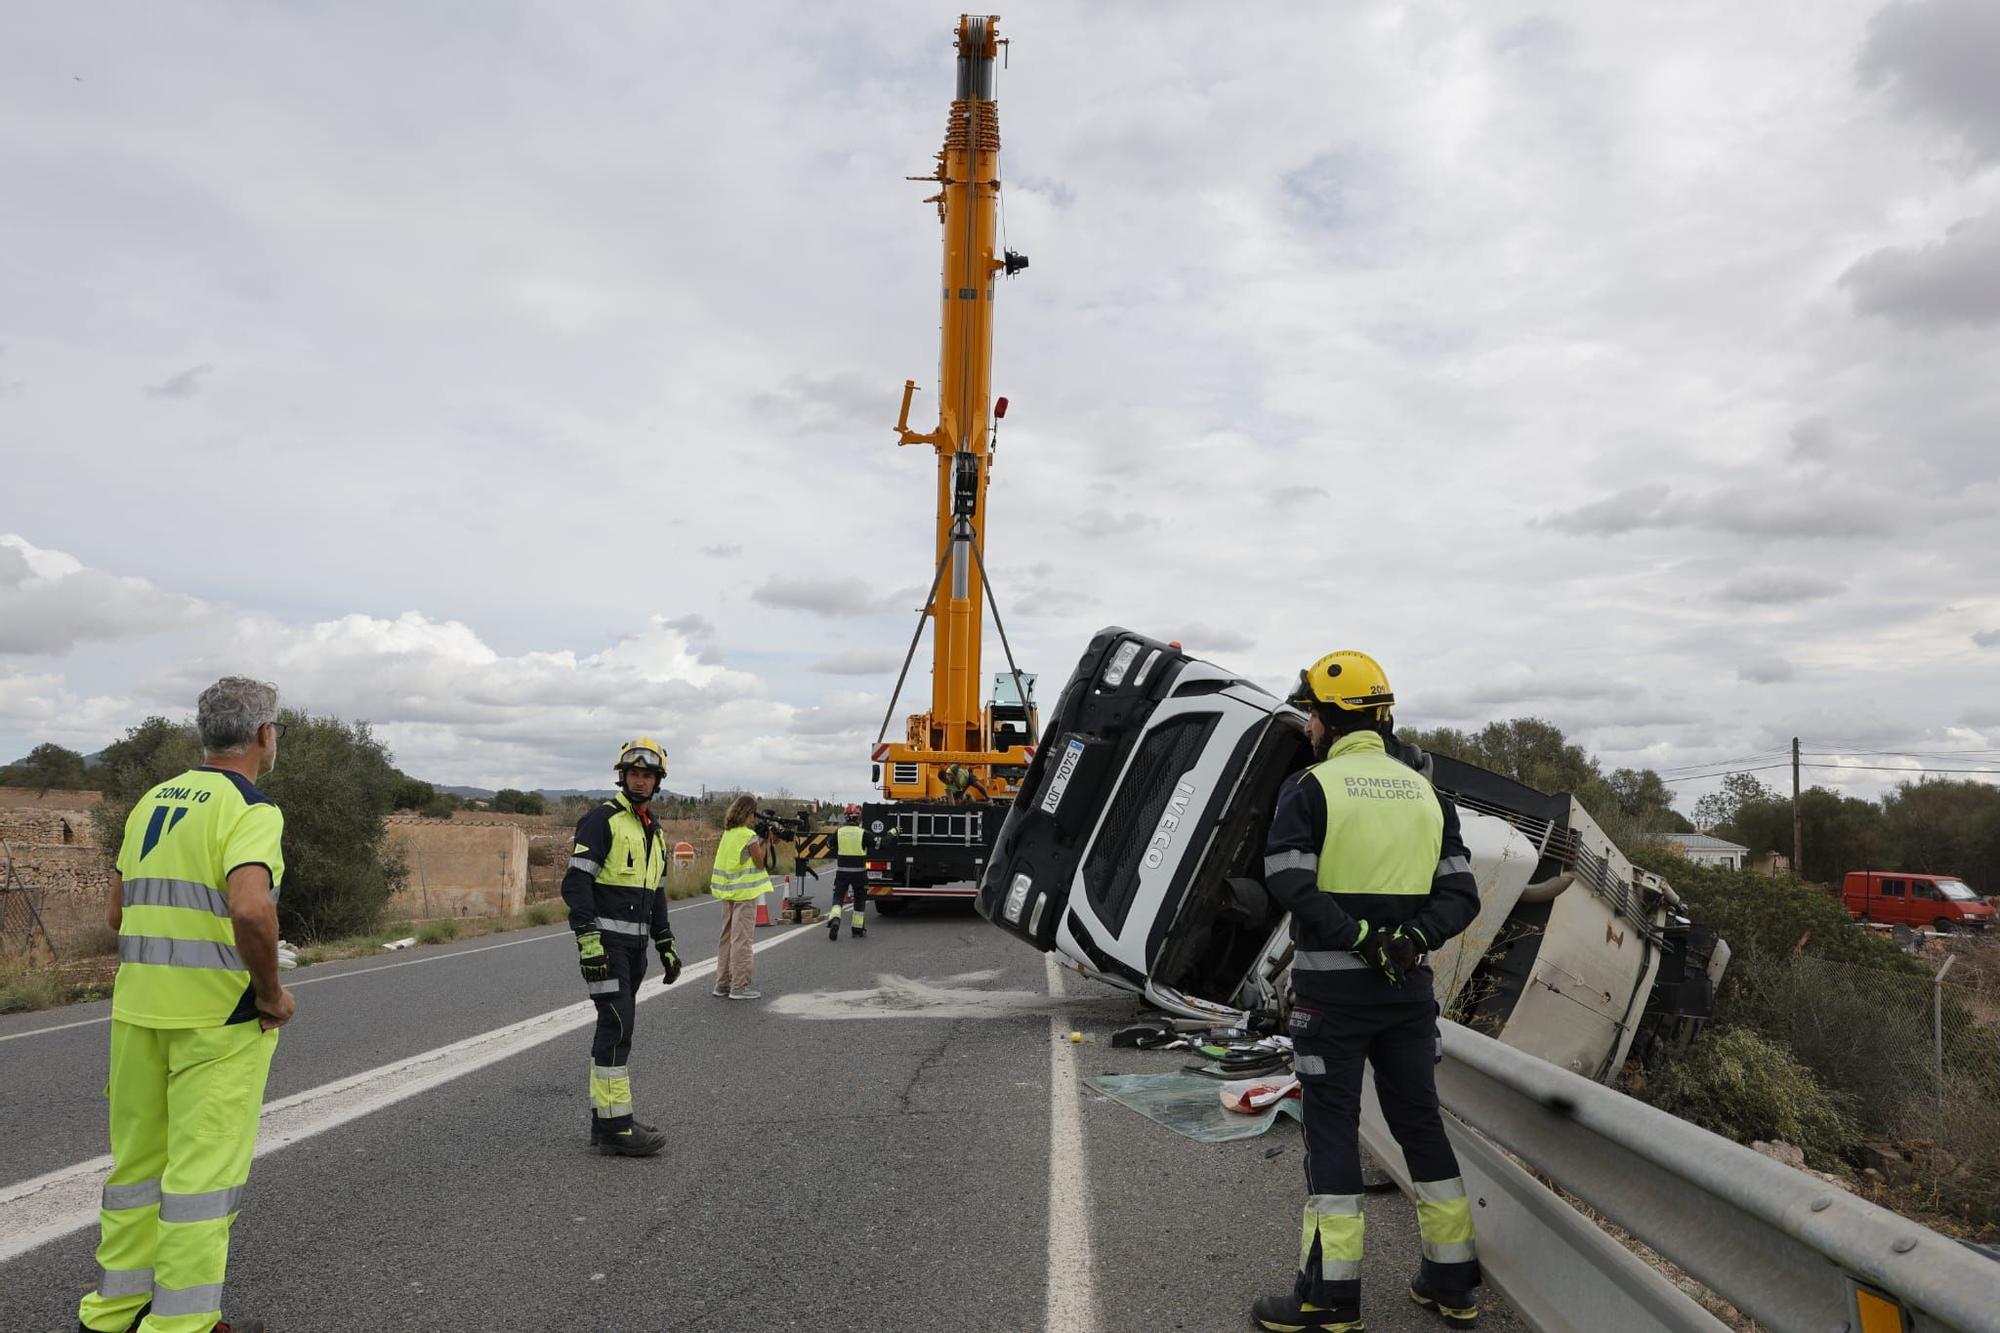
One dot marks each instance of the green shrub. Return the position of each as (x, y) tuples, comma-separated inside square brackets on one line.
[(25, 986), (437, 932), (334, 784), (1765, 916), (546, 913), (1962, 1173), (1744, 1087)]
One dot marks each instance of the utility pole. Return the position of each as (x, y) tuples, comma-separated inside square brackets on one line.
[(1798, 834)]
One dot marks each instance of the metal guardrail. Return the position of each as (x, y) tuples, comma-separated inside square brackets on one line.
[(1793, 1252)]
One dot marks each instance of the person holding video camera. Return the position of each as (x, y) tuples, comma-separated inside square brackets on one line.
[(739, 878)]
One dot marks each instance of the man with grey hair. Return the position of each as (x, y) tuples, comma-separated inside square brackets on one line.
[(195, 1013)]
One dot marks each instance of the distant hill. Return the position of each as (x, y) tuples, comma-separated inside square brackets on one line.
[(550, 793)]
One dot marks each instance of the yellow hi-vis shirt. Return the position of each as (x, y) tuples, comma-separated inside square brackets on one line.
[(177, 960), (736, 878)]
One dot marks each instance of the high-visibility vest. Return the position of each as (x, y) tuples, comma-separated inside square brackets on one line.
[(736, 878), (635, 861), (849, 847), (1384, 828), (177, 960)]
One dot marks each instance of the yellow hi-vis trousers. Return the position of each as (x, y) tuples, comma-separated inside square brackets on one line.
[(184, 1109)]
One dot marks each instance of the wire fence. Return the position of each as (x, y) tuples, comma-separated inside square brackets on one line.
[(21, 931)]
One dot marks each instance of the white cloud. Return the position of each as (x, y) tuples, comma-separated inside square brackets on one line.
[(1952, 281), (860, 662), (1767, 671), (1777, 587), (49, 603), (185, 384), (1497, 347)]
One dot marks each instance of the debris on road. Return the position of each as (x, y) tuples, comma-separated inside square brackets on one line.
[(1188, 1105)]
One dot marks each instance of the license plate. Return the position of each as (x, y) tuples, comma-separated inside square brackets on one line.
[(1065, 769)]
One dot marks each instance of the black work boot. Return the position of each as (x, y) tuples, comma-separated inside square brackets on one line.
[(1456, 1308), (638, 1141), (833, 924), (1288, 1314)]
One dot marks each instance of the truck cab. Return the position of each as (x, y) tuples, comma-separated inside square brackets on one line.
[(1134, 850), (1896, 897)]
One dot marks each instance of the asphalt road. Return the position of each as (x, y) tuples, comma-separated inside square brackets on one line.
[(875, 1145)]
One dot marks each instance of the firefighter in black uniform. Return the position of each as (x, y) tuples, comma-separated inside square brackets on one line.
[(617, 901), (1367, 857), (851, 846)]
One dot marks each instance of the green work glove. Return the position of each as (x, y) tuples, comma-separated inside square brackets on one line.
[(590, 956), (1406, 946), (670, 958), (1373, 947)]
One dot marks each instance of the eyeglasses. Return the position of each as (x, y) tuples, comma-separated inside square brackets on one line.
[(277, 730)]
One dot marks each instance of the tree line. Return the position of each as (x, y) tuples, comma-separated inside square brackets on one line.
[(1931, 826)]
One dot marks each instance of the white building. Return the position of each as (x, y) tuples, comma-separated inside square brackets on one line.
[(1706, 851)]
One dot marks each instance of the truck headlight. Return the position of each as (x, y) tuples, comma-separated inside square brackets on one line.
[(1017, 897), (1121, 662)]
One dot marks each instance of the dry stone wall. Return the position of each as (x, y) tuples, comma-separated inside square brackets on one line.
[(53, 845), (459, 869)]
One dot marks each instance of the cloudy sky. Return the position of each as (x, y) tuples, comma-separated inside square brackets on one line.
[(521, 376)]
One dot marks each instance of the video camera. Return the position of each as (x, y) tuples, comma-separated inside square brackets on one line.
[(769, 825)]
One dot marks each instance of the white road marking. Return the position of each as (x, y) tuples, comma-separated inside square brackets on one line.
[(49, 1207), (356, 972), (897, 996), (1072, 1306)]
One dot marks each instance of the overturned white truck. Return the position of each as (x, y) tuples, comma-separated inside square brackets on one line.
[(1135, 850)]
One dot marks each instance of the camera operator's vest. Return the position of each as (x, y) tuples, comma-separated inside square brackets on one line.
[(736, 878)]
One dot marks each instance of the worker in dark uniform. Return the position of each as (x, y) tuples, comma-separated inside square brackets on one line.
[(617, 901), (850, 875), (1367, 857)]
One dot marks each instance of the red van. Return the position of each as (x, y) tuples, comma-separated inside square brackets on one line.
[(1895, 897)]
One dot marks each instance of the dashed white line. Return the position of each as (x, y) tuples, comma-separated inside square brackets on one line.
[(49, 1207), (354, 972), (1072, 1303)]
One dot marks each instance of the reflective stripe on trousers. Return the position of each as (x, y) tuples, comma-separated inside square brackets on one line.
[(1334, 1221), (1444, 1219), (610, 1091), (184, 1110)]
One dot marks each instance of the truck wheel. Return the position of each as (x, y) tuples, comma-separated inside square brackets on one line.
[(892, 906), (1943, 926)]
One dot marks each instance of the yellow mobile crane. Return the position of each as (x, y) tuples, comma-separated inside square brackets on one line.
[(945, 783)]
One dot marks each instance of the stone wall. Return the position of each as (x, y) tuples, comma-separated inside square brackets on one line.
[(55, 850), (459, 869)]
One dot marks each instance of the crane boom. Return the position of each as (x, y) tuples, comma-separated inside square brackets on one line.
[(959, 728)]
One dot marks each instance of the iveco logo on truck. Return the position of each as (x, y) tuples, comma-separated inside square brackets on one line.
[(1163, 836)]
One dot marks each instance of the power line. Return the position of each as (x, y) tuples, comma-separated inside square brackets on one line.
[(1838, 768), (1887, 768), (1725, 772)]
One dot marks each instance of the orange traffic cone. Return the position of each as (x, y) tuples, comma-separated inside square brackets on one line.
[(763, 910)]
